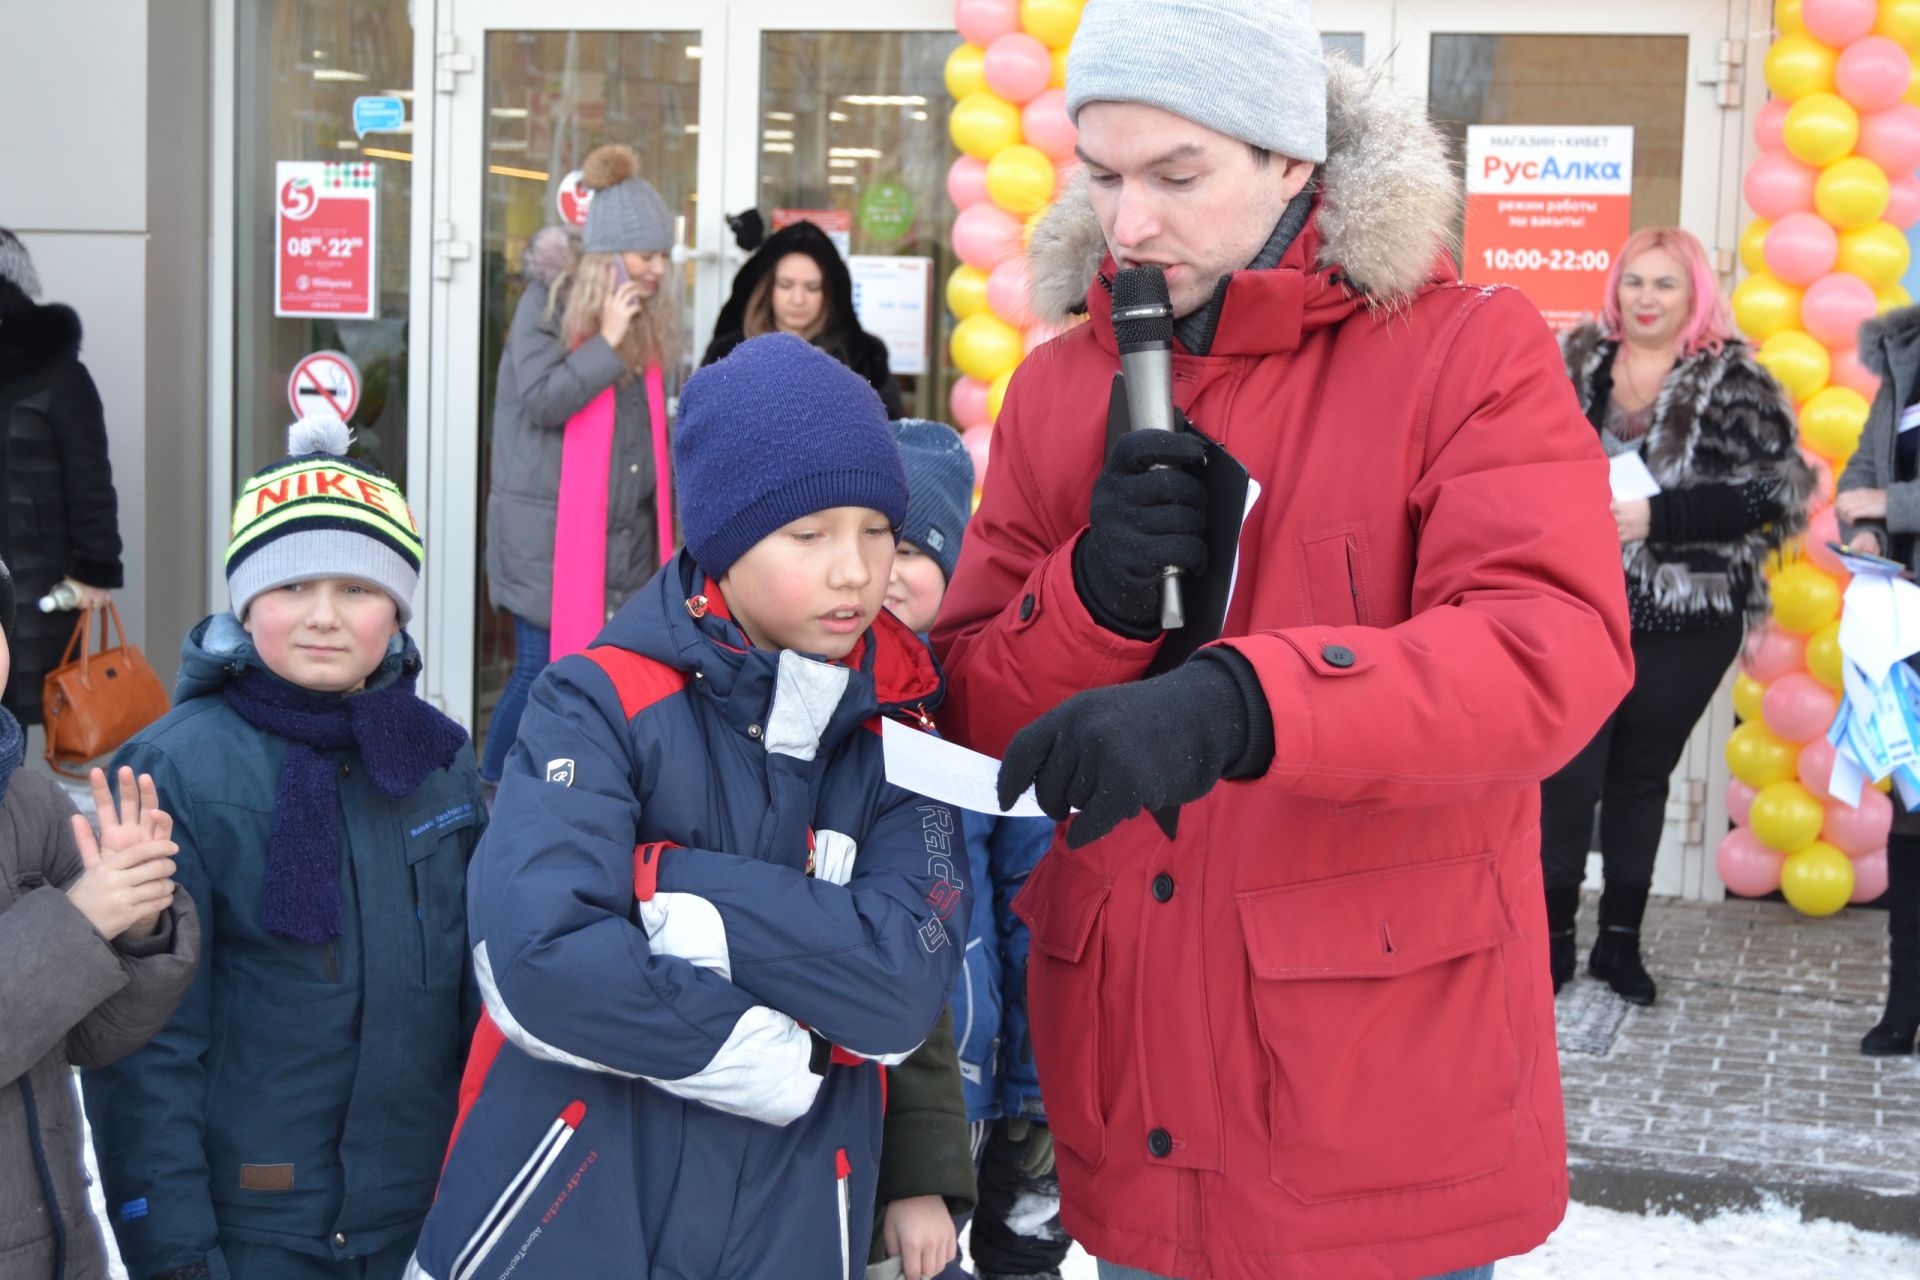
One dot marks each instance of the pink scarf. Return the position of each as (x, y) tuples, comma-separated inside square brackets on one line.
[(580, 525)]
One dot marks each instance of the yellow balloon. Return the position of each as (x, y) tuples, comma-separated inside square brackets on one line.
[(966, 71), (1824, 660), (1804, 599), (1852, 192), (1878, 253), (1899, 21), (1785, 816), (1912, 96), (985, 346), (997, 395), (1758, 758), (1831, 420), (1779, 558), (1753, 243), (1817, 880), (1764, 304), (1798, 65), (1786, 18), (1747, 696), (1051, 22), (967, 292), (1891, 297), (1020, 179), (983, 122), (1820, 128), (1797, 361)]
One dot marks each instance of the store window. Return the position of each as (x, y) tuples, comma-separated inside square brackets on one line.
[(853, 134), (301, 66)]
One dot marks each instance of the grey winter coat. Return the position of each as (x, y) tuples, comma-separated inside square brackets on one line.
[(542, 384), (1890, 346), (67, 998)]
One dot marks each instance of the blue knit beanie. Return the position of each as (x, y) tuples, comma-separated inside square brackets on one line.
[(939, 489), (778, 430)]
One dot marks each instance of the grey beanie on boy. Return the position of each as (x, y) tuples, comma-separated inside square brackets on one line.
[(626, 214), (1251, 69)]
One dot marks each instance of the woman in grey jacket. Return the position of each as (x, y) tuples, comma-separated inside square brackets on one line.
[(1879, 510), (97, 952), (579, 432)]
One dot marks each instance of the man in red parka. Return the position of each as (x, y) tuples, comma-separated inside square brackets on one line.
[(1312, 1036)]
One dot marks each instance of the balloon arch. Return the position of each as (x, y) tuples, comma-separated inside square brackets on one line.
[(1835, 191)]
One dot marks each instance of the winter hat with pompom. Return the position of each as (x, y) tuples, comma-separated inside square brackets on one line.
[(319, 514), (626, 214)]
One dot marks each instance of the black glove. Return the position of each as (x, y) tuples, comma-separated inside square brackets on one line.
[(1140, 522), (1113, 752)]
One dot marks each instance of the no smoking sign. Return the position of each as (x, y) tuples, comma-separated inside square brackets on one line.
[(326, 383)]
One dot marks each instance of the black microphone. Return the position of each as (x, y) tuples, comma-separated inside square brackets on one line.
[(1143, 329)]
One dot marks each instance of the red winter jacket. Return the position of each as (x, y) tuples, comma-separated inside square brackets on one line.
[(1313, 1036)]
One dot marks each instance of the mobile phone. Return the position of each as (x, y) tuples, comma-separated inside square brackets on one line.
[(1894, 566)]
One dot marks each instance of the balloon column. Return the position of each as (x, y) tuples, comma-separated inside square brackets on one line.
[(1010, 123), (1835, 190)]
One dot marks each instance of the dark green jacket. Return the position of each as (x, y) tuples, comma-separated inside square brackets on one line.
[(926, 1150)]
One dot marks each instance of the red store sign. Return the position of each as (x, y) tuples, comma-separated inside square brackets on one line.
[(327, 259)]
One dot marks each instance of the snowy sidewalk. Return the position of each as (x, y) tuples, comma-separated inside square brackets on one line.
[(1745, 1080)]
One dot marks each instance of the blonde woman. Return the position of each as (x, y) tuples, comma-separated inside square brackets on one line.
[(580, 506)]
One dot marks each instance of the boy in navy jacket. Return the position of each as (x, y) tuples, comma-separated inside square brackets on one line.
[(702, 917)]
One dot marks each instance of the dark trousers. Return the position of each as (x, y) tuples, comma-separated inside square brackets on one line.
[(1903, 903), (531, 646), (1016, 1229), (1625, 768)]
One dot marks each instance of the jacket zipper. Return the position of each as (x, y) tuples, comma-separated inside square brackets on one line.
[(330, 958), (520, 1189), (842, 1170)]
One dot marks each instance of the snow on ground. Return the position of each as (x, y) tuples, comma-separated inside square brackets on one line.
[(1771, 1243)]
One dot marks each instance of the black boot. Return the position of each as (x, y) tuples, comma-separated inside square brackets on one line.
[(1616, 954), (1563, 948), (1898, 1030)]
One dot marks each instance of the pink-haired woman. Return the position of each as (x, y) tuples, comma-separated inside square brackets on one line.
[(1659, 373)]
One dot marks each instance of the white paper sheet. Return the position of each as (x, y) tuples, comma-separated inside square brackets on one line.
[(1233, 582), (925, 765), (1630, 477)]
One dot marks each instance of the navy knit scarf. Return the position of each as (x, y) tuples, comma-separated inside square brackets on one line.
[(402, 740), (13, 748)]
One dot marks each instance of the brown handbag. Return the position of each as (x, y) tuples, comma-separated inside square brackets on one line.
[(95, 703)]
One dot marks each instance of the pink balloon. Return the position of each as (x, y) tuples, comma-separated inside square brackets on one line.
[(1869, 876), (1858, 832), (1748, 867), (1873, 73), (1847, 371), (1822, 496), (1836, 306), (979, 441), (1838, 22), (1768, 124), (1816, 766), (1798, 708), (1903, 208), (967, 182), (1821, 530), (985, 235), (1773, 652), (1891, 138), (1777, 185), (1801, 248), (1044, 124), (1018, 67), (1010, 292), (984, 21), (1740, 801), (968, 401)]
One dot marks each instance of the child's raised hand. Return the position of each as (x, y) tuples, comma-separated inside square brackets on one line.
[(135, 818), (919, 1231), (128, 878)]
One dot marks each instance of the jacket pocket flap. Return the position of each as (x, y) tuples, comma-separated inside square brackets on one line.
[(1060, 903), (1379, 924), (425, 826)]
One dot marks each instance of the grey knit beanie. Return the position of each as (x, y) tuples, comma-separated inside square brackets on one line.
[(626, 214), (939, 489), (1251, 69)]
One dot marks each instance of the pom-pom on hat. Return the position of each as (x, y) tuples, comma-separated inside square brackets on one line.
[(939, 489), (626, 215), (778, 430), (319, 514)]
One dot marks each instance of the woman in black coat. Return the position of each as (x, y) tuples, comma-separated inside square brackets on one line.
[(797, 282), (56, 486)]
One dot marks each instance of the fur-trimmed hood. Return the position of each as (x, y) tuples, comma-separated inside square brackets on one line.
[(1895, 335), (34, 337), (1388, 205), (552, 252)]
